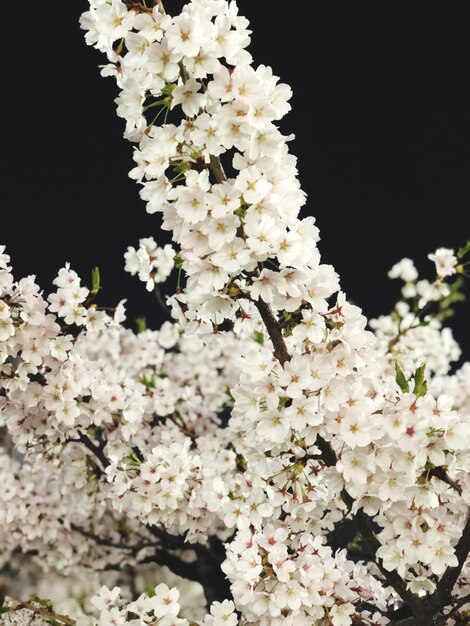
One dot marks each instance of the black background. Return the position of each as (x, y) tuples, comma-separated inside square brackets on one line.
[(380, 113)]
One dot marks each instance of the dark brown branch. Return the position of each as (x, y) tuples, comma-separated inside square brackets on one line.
[(216, 585), (364, 525), (274, 331), (409, 621), (96, 450), (457, 604), (441, 474), (361, 519), (272, 325), (175, 564), (202, 570), (217, 169), (423, 609), (329, 457), (392, 578), (367, 606), (171, 542), (450, 576)]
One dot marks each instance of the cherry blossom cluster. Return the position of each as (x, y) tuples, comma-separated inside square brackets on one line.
[(241, 242), (283, 577), (161, 607), (457, 386), (232, 445), (96, 384), (150, 262), (414, 331), (194, 66)]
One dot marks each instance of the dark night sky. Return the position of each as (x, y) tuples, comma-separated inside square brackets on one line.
[(381, 117)]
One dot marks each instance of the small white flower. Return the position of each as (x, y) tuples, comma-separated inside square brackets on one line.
[(445, 261)]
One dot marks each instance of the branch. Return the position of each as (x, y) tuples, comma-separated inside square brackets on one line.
[(448, 580), (458, 603), (217, 169), (161, 301), (96, 450), (329, 457), (392, 578), (102, 541), (272, 325), (204, 570), (362, 520), (367, 606), (46, 613), (364, 525), (274, 331), (441, 474), (176, 565)]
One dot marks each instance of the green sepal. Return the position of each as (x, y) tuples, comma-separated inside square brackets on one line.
[(133, 460), (149, 383), (178, 261)]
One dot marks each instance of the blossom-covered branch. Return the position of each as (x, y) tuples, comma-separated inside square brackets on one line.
[(227, 447)]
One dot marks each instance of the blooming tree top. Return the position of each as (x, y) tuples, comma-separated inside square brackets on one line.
[(240, 446)]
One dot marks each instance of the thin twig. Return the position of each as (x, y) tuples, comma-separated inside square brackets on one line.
[(163, 305), (458, 603), (103, 541)]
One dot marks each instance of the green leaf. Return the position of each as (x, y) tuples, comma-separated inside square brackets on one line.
[(421, 386), (463, 250), (401, 379), (141, 324), (95, 280), (258, 337)]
